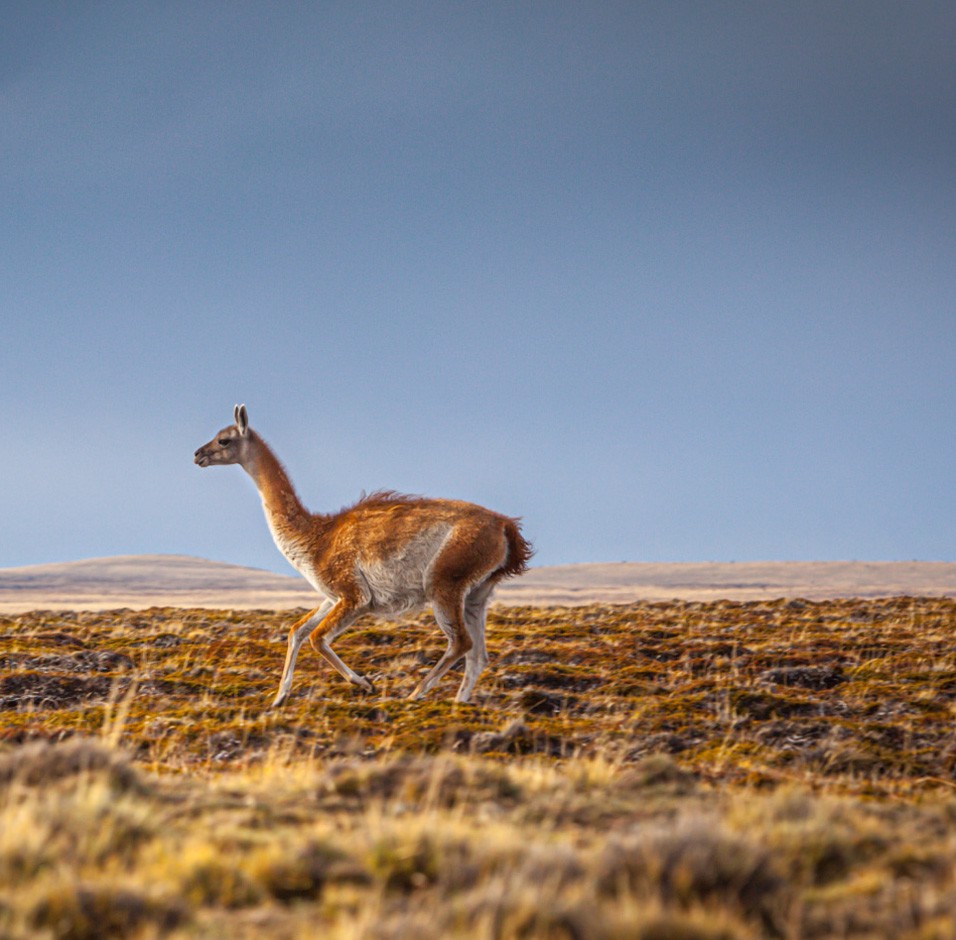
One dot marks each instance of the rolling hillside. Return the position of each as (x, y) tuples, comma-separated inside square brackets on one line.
[(140, 581)]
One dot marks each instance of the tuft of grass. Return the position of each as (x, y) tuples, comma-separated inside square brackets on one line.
[(695, 864), (71, 911), (208, 876), (40, 763)]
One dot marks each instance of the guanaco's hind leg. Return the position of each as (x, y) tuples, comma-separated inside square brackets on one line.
[(461, 583), (451, 619), (297, 636), (476, 659)]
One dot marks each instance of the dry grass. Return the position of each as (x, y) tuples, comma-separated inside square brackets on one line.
[(660, 771)]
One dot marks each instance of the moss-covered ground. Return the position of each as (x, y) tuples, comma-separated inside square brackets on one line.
[(683, 770)]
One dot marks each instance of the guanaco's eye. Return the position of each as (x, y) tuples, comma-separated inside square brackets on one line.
[(223, 441)]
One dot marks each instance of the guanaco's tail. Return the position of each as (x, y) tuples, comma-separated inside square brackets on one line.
[(520, 551)]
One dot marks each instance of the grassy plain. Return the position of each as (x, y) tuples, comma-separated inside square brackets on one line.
[(660, 771)]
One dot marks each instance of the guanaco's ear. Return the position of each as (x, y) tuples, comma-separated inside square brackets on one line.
[(242, 419)]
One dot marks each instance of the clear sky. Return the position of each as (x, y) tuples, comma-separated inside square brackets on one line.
[(674, 281)]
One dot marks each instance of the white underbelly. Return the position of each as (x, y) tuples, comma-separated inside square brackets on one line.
[(393, 585), (400, 583)]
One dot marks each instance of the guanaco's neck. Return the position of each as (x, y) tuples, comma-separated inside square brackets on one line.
[(286, 514)]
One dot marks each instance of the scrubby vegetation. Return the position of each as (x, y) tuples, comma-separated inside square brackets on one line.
[(660, 771)]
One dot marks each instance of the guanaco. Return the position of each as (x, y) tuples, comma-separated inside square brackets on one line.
[(387, 555)]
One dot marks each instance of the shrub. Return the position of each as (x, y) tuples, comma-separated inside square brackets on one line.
[(39, 763), (89, 912), (696, 864)]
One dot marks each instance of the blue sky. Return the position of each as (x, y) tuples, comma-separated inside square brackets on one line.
[(674, 281)]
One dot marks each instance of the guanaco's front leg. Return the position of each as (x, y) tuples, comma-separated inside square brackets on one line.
[(337, 621), (297, 636)]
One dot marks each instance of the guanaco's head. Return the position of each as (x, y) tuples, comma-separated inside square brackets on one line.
[(229, 445)]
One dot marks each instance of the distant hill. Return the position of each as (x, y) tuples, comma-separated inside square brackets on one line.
[(624, 582), (148, 581), (139, 581)]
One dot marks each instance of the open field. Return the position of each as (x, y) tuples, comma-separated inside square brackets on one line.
[(142, 581), (665, 771)]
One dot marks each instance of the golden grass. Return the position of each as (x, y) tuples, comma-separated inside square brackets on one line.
[(659, 771)]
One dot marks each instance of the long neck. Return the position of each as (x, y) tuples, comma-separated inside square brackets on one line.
[(282, 507)]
